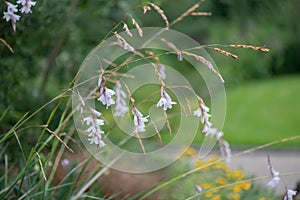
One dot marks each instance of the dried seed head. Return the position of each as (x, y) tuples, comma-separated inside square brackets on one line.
[(170, 44), (125, 27), (146, 9), (226, 53), (123, 43), (206, 63), (7, 45), (201, 13), (140, 31), (186, 13), (256, 48), (162, 14)]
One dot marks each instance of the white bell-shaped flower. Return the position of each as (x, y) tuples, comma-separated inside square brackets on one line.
[(165, 100)]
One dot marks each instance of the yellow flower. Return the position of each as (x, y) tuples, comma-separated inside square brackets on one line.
[(206, 185), (241, 186), (221, 165), (264, 198), (198, 163), (221, 181), (215, 191), (237, 188), (205, 168), (226, 168), (228, 174), (235, 197), (245, 185), (217, 197), (190, 152), (213, 159), (238, 174), (208, 194)]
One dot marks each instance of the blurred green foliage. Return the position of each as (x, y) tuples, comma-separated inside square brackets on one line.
[(49, 46), (270, 23)]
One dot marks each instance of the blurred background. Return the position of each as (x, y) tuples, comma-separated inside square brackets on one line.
[(262, 88)]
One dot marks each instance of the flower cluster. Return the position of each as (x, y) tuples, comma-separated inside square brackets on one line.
[(94, 131), (202, 113), (26, 5), (165, 100), (10, 14), (138, 120), (92, 121), (105, 94), (289, 194)]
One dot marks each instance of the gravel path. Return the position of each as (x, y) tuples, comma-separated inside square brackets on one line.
[(283, 160)]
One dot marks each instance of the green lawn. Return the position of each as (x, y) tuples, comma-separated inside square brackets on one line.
[(264, 111)]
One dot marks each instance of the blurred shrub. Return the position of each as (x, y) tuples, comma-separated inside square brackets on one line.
[(49, 46), (217, 180), (270, 23)]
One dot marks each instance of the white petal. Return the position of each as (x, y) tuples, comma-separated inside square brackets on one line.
[(273, 182), (198, 113), (204, 108), (88, 120), (109, 92), (95, 112)]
